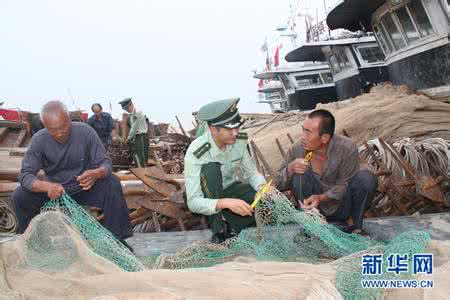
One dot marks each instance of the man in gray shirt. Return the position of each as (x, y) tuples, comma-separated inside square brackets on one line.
[(74, 161), (332, 179)]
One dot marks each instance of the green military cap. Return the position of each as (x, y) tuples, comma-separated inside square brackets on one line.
[(125, 103), (221, 113)]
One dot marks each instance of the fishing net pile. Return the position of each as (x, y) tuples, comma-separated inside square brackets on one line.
[(293, 253), (389, 112)]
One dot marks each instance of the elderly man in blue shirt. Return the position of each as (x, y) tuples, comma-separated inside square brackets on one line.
[(102, 123), (75, 162)]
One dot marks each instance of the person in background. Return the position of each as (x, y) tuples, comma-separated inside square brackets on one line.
[(75, 162), (102, 123), (212, 164), (333, 180), (138, 135)]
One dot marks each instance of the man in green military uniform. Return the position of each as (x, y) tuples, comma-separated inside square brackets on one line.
[(212, 163), (138, 131)]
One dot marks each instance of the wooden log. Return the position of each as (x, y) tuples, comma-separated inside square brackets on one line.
[(265, 125), (258, 165), (263, 160), (283, 154), (290, 138), (181, 126)]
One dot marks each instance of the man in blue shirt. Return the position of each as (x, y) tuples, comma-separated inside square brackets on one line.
[(102, 123), (74, 161)]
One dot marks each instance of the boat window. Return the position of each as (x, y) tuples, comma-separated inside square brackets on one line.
[(332, 60), (286, 83), (273, 96), (341, 57), (308, 80), (393, 31), (420, 17), (382, 40), (371, 54), (448, 12), (407, 24), (327, 77)]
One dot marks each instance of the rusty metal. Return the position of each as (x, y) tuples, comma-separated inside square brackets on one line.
[(432, 191)]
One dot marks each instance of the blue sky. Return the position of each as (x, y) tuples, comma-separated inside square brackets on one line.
[(171, 56)]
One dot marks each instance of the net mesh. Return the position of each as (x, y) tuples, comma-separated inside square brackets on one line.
[(283, 233), (99, 239)]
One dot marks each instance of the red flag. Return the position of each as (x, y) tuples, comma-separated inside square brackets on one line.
[(260, 84), (276, 57)]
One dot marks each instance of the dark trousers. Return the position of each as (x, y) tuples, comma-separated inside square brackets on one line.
[(211, 182), (141, 145), (105, 194), (358, 196)]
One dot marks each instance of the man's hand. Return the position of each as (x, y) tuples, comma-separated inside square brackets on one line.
[(54, 190), (298, 166), (312, 202), (88, 179), (237, 206)]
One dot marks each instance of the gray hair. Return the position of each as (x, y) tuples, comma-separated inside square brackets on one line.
[(54, 109)]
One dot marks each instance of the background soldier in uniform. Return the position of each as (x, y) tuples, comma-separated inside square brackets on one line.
[(138, 131)]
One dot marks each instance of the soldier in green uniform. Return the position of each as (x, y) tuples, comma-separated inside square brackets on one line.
[(138, 131), (212, 163)]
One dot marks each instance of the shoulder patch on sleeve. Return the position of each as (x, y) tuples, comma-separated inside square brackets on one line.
[(202, 150), (242, 136)]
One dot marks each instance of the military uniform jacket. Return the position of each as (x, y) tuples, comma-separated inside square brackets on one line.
[(138, 124), (234, 158)]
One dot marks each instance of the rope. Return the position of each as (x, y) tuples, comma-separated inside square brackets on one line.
[(8, 222)]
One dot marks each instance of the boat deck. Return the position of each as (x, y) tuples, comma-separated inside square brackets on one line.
[(151, 244)]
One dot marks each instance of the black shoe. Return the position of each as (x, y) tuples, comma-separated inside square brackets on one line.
[(126, 245), (220, 237)]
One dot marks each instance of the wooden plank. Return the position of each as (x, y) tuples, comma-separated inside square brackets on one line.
[(8, 187), (21, 138), (154, 178), (165, 208), (9, 174), (3, 133)]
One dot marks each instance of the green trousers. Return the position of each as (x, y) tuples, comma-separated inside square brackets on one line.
[(141, 145), (211, 182)]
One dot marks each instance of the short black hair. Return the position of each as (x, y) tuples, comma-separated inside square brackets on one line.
[(327, 121), (96, 104)]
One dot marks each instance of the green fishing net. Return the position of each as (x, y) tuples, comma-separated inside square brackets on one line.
[(283, 233)]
